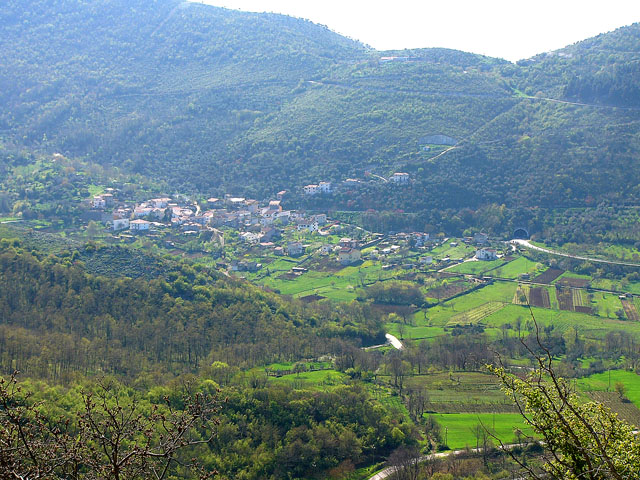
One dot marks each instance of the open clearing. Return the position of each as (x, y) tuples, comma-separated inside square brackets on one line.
[(460, 428)]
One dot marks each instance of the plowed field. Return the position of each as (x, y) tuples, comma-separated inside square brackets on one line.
[(539, 297), (548, 276)]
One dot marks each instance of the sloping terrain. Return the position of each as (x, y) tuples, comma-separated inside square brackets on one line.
[(205, 98)]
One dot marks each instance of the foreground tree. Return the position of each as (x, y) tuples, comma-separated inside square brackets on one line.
[(113, 436), (584, 440)]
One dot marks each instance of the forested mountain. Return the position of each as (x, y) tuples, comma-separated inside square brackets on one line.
[(205, 98)]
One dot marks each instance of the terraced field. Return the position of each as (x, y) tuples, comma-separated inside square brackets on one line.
[(630, 310), (625, 409), (477, 314)]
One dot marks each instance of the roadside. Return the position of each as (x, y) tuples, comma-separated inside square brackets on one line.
[(528, 244)]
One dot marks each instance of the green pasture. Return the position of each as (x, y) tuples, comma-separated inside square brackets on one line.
[(413, 332), (341, 285), (459, 428), (606, 381), (495, 292), (553, 298), (616, 285), (606, 304), (95, 189), (572, 275), (459, 391), (588, 325), (318, 379), (342, 288), (519, 266), (462, 250), (476, 267), (387, 397), (289, 365)]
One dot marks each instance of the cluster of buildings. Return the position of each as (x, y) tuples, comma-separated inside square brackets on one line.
[(326, 188), (256, 223), (263, 224), (320, 188)]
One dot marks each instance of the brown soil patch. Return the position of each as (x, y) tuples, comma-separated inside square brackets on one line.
[(574, 282), (548, 276), (565, 298), (539, 297), (288, 276)]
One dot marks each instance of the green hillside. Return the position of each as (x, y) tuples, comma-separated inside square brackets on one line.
[(204, 98)]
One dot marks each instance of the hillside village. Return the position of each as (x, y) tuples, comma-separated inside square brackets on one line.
[(247, 232)]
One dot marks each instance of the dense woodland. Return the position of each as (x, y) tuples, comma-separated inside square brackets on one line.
[(57, 320), (204, 98)]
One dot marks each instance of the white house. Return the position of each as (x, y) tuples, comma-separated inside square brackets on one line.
[(160, 202), (308, 225), (324, 187), (426, 260), (120, 224), (486, 254), (250, 237), (326, 249), (98, 202), (420, 238), (347, 255), (399, 178), (139, 225), (252, 205), (311, 189), (348, 242), (142, 211)]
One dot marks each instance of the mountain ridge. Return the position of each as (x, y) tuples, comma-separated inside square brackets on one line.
[(204, 98)]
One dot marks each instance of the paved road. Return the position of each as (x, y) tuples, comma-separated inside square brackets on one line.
[(382, 474), (397, 344), (528, 244)]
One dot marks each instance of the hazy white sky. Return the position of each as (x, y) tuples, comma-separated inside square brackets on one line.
[(509, 29)]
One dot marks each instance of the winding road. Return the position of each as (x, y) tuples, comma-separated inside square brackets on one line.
[(382, 474), (528, 244), (397, 344)]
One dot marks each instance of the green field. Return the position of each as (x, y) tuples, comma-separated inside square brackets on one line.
[(606, 304), (459, 427), (476, 267), (461, 391), (588, 325), (318, 379), (606, 382), (496, 292), (516, 267), (340, 285), (413, 332), (617, 285), (460, 251)]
